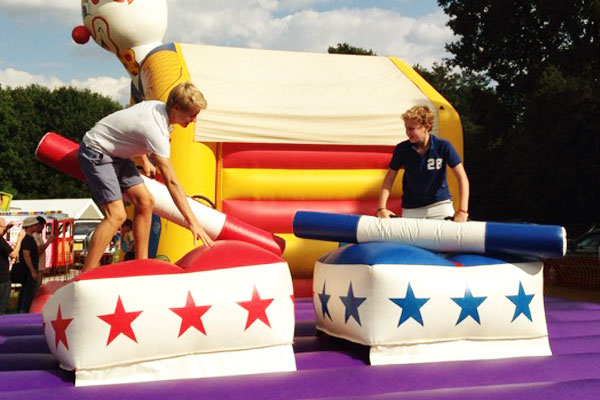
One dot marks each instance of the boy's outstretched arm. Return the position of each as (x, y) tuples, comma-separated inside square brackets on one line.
[(180, 199)]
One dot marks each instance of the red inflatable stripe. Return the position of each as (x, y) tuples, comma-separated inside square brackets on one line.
[(291, 156), (303, 288), (277, 215)]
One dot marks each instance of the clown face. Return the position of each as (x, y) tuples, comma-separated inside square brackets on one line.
[(122, 25)]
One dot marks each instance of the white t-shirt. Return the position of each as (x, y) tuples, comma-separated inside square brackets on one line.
[(140, 129)]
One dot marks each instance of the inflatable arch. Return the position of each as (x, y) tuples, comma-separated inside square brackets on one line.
[(284, 131)]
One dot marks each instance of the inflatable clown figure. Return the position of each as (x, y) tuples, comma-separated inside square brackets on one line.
[(128, 28)]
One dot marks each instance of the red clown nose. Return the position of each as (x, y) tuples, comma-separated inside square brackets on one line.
[(80, 34)]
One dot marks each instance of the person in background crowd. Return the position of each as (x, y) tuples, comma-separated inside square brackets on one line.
[(5, 251), (42, 246), (127, 240), (39, 240), (29, 255)]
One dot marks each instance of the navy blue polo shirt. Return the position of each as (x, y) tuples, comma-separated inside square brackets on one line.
[(424, 181)]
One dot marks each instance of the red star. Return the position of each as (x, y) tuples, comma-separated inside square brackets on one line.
[(60, 329), (257, 308), (191, 315), (120, 322)]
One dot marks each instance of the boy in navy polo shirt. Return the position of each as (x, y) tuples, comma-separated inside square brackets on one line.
[(424, 158)]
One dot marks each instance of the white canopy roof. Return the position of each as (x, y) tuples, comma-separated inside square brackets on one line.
[(271, 96), (74, 208)]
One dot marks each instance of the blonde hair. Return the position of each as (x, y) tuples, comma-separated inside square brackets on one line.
[(421, 114), (187, 97)]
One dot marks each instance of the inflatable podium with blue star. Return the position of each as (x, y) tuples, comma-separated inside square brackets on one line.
[(426, 291)]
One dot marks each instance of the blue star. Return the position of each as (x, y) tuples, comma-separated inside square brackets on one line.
[(324, 297), (352, 303), (521, 302), (468, 305), (410, 306)]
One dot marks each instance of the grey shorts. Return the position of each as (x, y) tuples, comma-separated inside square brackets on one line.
[(439, 210), (107, 176)]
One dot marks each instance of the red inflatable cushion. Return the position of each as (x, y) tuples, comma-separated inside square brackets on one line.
[(130, 268), (226, 254), (45, 291)]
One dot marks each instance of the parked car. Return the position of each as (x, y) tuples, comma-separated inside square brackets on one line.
[(580, 267), (587, 245), (109, 252), (83, 230)]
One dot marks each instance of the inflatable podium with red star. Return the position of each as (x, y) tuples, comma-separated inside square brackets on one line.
[(225, 310)]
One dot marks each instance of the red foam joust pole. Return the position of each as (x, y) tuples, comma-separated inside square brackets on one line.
[(61, 153)]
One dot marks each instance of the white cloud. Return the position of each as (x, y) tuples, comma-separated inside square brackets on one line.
[(296, 25), (290, 5), (277, 24), (13, 78), (117, 89), (262, 24), (36, 11), (24, 4)]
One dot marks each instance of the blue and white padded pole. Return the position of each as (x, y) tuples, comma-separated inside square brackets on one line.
[(542, 241)]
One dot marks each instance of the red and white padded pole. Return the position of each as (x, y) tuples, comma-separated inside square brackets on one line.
[(60, 153)]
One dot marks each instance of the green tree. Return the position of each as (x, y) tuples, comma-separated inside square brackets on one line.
[(26, 114), (543, 57), (345, 48), (484, 125), (515, 41)]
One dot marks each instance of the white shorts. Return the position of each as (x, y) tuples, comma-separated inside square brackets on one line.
[(439, 210)]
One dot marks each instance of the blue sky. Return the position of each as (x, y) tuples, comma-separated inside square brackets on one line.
[(36, 44)]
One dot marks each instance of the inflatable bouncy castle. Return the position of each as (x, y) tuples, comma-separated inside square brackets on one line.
[(283, 131)]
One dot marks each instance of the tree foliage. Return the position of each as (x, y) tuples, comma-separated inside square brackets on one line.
[(26, 114), (484, 123), (345, 48), (543, 58)]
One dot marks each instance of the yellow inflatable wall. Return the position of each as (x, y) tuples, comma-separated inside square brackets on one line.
[(265, 188)]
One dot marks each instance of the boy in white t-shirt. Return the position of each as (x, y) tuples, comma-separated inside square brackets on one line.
[(105, 159)]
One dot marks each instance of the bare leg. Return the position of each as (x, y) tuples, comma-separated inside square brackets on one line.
[(143, 202), (114, 217)]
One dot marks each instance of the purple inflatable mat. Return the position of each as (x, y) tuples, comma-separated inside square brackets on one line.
[(335, 369)]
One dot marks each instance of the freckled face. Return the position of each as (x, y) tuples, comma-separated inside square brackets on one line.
[(417, 133)]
